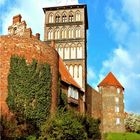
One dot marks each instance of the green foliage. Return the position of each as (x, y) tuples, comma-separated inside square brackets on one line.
[(8, 129), (62, 103), (122, 136), (63, 126), (91, 126), (29, 90), (132, 123)]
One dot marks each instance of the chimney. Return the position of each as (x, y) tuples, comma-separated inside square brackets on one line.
[(37, 36), (53, 44), (17, 19)]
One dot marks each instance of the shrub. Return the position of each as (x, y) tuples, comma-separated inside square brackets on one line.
[(91, 126), (63, 126)]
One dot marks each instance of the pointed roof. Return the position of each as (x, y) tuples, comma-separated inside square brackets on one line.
[(66, 76), (110, 80)]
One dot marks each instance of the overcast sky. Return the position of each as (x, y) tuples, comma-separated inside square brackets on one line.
[(113, 38)]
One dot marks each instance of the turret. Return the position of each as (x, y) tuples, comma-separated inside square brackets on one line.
[(112, 94)]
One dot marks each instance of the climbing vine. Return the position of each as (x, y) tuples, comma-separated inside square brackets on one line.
[(29, 90)]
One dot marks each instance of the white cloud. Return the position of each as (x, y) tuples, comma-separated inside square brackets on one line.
[(124, 61), (90, 74), (32, 13), (2, 2)]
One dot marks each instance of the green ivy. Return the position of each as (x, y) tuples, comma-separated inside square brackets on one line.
[(29, 90)]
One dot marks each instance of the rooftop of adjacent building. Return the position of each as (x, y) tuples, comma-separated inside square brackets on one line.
[(110, 80)]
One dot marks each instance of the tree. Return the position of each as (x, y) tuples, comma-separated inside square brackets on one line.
[(132, 123)]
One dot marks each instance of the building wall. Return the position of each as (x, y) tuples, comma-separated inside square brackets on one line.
[(112, 109), (30, 49), (70, 38), (93, 102)]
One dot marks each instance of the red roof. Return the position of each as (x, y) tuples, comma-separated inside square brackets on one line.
[(66, 76), (110, 80)]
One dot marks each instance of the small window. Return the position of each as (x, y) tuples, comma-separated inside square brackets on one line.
[(71, 17), (57, 18), (118, 90), (78, 16), (51, 18), (117, 109), (117, 99), (64, 18), (117, 121)]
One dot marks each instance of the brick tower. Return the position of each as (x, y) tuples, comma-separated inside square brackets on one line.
[(67, 25), (112, 104)]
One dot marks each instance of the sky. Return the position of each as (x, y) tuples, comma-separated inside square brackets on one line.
[(113, 38)]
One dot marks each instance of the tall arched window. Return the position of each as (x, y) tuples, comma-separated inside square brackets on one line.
[(57, 33), (71, 70), (60, 51), (79, 51), (64, 33), (80, 75), (73, 52), (66, 56), (51, 18), (78, 16), (50, 34), (78, 32), (64, 17), (75, 72), (57, 18), (70, 33), (71, 17)]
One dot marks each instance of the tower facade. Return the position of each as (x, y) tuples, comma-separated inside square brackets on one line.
[(112, 104), (67, 26)]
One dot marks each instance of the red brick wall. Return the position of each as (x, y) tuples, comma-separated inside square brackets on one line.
[(93, 102), (30, 49)]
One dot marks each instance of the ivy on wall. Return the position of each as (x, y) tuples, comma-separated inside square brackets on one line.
[(29, 90)]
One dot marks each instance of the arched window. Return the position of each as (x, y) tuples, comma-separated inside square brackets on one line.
[(64, 33), (80, 75), (60, 51), (71, 17), (70, 33), (57, 33), (71, 70), (73, 52), (78, 16), (78, 32), (66, 56), (79, 51), (50, 34), (64, 17), (50, 18), (57, 18), (75, 72)]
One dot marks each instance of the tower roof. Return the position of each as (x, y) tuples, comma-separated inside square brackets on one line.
[(110, 80)]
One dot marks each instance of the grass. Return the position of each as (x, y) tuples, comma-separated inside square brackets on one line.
[(122, 136)]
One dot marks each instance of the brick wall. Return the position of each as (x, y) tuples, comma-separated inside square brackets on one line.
[(30, 48), (93, 102)]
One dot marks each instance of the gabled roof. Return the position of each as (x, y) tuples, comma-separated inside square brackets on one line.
[(110, 80), (66, 76)]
